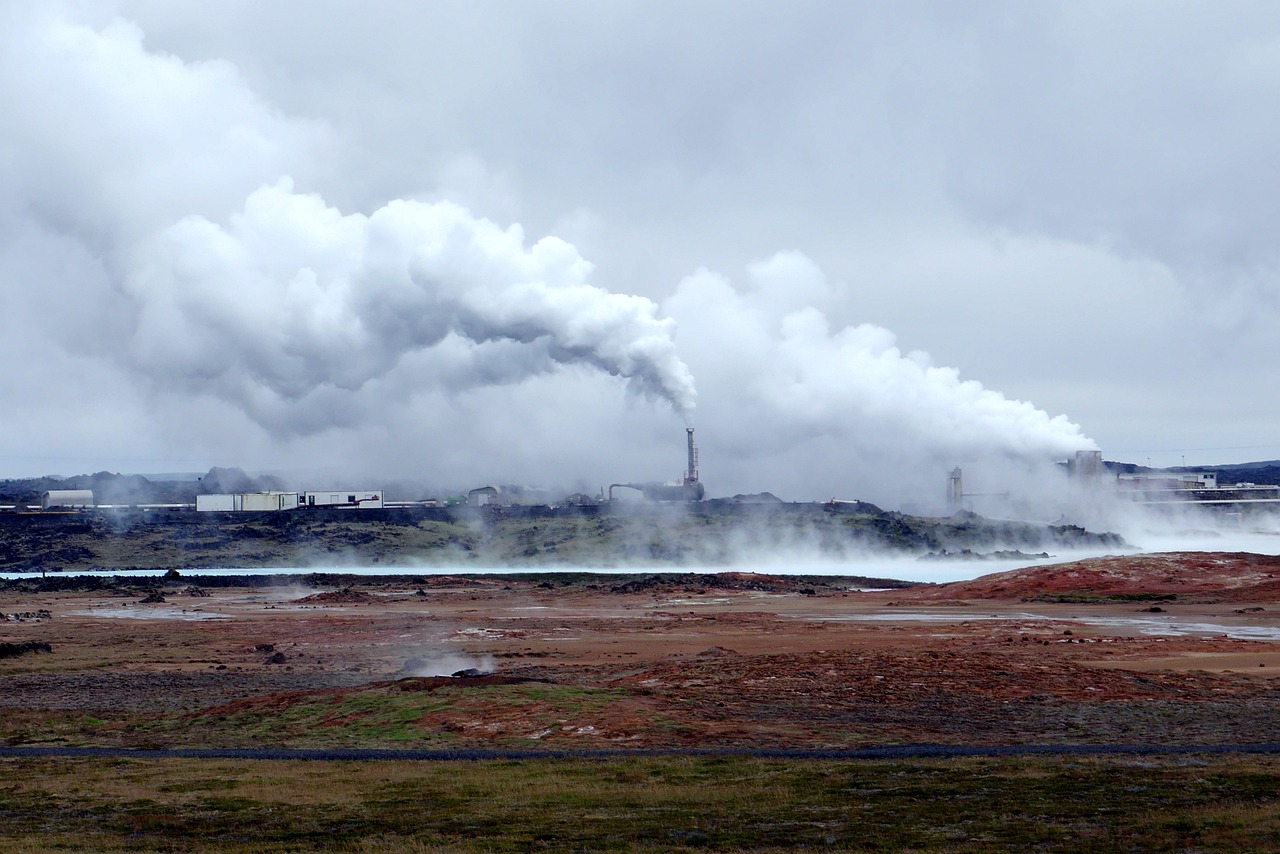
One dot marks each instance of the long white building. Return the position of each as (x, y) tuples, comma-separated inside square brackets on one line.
[(247, 501), (357, 499)]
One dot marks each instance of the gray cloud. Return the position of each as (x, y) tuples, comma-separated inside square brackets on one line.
[(1071, 203)]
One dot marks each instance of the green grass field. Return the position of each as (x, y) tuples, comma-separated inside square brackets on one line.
[(660, 804)]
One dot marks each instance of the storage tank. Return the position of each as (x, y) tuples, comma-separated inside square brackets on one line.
[(66, 499)]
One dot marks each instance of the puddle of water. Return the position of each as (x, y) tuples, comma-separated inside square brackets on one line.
[(1181, 629), (150, 614), (919, 617), (485, 634), (1142, 625)]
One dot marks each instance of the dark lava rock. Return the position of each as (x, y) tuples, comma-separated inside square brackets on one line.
[(13, 650), (278, 658), (468, 673)]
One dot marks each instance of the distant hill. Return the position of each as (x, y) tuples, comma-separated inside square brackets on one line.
[(1266, 472)]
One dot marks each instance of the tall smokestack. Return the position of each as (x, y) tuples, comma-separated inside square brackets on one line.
[(691, 474), (955, 489)]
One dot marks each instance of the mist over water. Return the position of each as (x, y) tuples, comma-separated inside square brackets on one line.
[(795, 561)]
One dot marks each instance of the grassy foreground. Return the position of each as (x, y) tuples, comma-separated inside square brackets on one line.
[(1056, 804)]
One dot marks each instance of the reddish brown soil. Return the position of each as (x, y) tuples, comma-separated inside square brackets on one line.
[(728, 660), (1227, 577)]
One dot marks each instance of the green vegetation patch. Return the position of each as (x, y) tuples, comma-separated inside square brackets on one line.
[(1103, 598), (640, 803), (386, 715)]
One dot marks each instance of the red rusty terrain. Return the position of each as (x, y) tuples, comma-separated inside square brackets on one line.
[(1050, 654), (1236, 577)]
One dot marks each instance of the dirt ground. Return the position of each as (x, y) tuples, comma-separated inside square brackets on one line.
[(1162, 649)]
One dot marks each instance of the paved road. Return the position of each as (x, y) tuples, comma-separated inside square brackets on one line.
[(906, 751)]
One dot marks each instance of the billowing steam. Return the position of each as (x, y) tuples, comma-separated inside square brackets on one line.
[(848, 392), (166, 274), (432, 662), (293, 303)]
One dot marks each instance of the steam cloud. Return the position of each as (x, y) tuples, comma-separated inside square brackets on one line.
[(293, 301), (825, 388), (175, 267)]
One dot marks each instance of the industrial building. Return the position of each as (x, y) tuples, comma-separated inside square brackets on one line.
[(1156, 488), (367, 499), (1164, 481), (484, 496), (688, 488), (247, 502)]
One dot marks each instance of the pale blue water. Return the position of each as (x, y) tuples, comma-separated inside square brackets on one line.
[(873, 566)]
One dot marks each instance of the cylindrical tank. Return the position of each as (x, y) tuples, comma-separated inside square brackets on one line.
[(66, 499)]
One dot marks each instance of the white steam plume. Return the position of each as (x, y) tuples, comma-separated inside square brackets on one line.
[(172, 283), (292, 303), (798, 388)]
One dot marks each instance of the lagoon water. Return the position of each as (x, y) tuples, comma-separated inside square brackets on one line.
[(872, 566)]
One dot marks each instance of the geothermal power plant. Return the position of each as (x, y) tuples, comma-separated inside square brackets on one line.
[(1155, 488), (688, 488), (1086, 473)]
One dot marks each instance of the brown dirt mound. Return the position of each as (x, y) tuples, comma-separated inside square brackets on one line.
[(1235, 577), (431, 683), (346, 596), (727, 581), (457, 581)]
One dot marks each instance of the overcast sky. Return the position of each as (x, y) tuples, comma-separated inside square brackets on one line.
[(853, 244)]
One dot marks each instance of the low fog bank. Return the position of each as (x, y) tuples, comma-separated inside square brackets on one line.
[(1203, 532), (752, 533), (933, 569)]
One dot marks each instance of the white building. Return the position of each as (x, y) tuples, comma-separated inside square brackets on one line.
[(359, 499), (1168, 480), (247, 501)]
